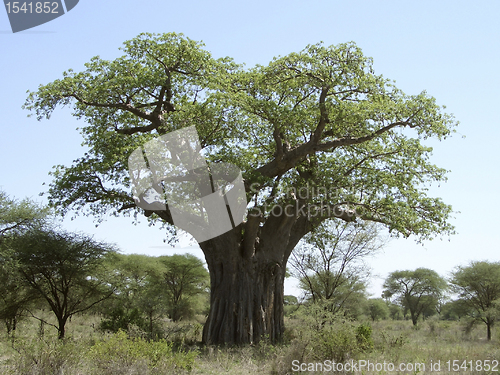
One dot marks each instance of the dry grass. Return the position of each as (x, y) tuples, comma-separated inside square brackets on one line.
[(394, 342)]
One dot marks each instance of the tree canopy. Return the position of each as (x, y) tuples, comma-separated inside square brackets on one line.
[(321, 113), (416, 290), (65, 270), (376, 308), (16, 216), (317, 135), (149, 288), (478, 286)]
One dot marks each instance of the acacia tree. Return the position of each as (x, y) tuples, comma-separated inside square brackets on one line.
[(16, 216), (64, 269), (138, 297), (15, 296), (376, 309), (184, 280), (478, 286), (416, 291), (329, 261), (317, 118)]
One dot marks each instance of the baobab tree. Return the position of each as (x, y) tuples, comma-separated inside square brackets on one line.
[(317, 135)]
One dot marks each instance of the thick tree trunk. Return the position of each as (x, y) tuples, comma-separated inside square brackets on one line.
[(247, 281), (246, 301)]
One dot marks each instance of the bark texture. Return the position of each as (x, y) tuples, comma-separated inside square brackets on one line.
[(247, 271)]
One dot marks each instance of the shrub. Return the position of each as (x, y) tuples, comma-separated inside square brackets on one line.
[(333, 336), (364, 336), (120, 351), (120, 319), (44, 357)]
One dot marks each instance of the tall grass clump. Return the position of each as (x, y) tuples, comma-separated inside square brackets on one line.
[(44, 357), (120, 354), (320, 334)]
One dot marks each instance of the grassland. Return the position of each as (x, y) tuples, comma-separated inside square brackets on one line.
[(35, 350)]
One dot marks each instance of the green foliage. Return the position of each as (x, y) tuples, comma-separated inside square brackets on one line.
[(17, 216), (455, 310), (138, 299), (290, 300), (364, 336), (478, 286), (416, 291), (15, 296), (121, 319), (348, 295), (291, 305), (64, 269), (45, 357), (332, 336), (330, 263), (395, 311), (185, 281), (120, 350), (149, 288), (376, 309), (352, 131), (189, 76)]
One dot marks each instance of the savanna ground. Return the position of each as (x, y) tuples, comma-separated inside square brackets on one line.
[(35, 350)]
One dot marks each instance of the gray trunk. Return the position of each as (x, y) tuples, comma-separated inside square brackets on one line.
[(247, 273)]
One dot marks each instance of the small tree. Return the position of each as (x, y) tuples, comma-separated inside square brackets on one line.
[(64, 268), (377, 309), (478, 286), (415, 290), (15, 296), (291, 304), (395, 311), (15, 218), (138, 297), (184, 279), (329, 263), (348, 296), (455, 310)]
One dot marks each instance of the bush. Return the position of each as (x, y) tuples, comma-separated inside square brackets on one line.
[(333, 336), (319, 335), (139, 356), (39, 357), (119, 319), (364, 336)]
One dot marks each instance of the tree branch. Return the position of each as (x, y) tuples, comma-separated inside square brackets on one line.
[(289, 161), (323, 116)]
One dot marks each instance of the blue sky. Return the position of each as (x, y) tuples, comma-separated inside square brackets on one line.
[(448, 48)]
